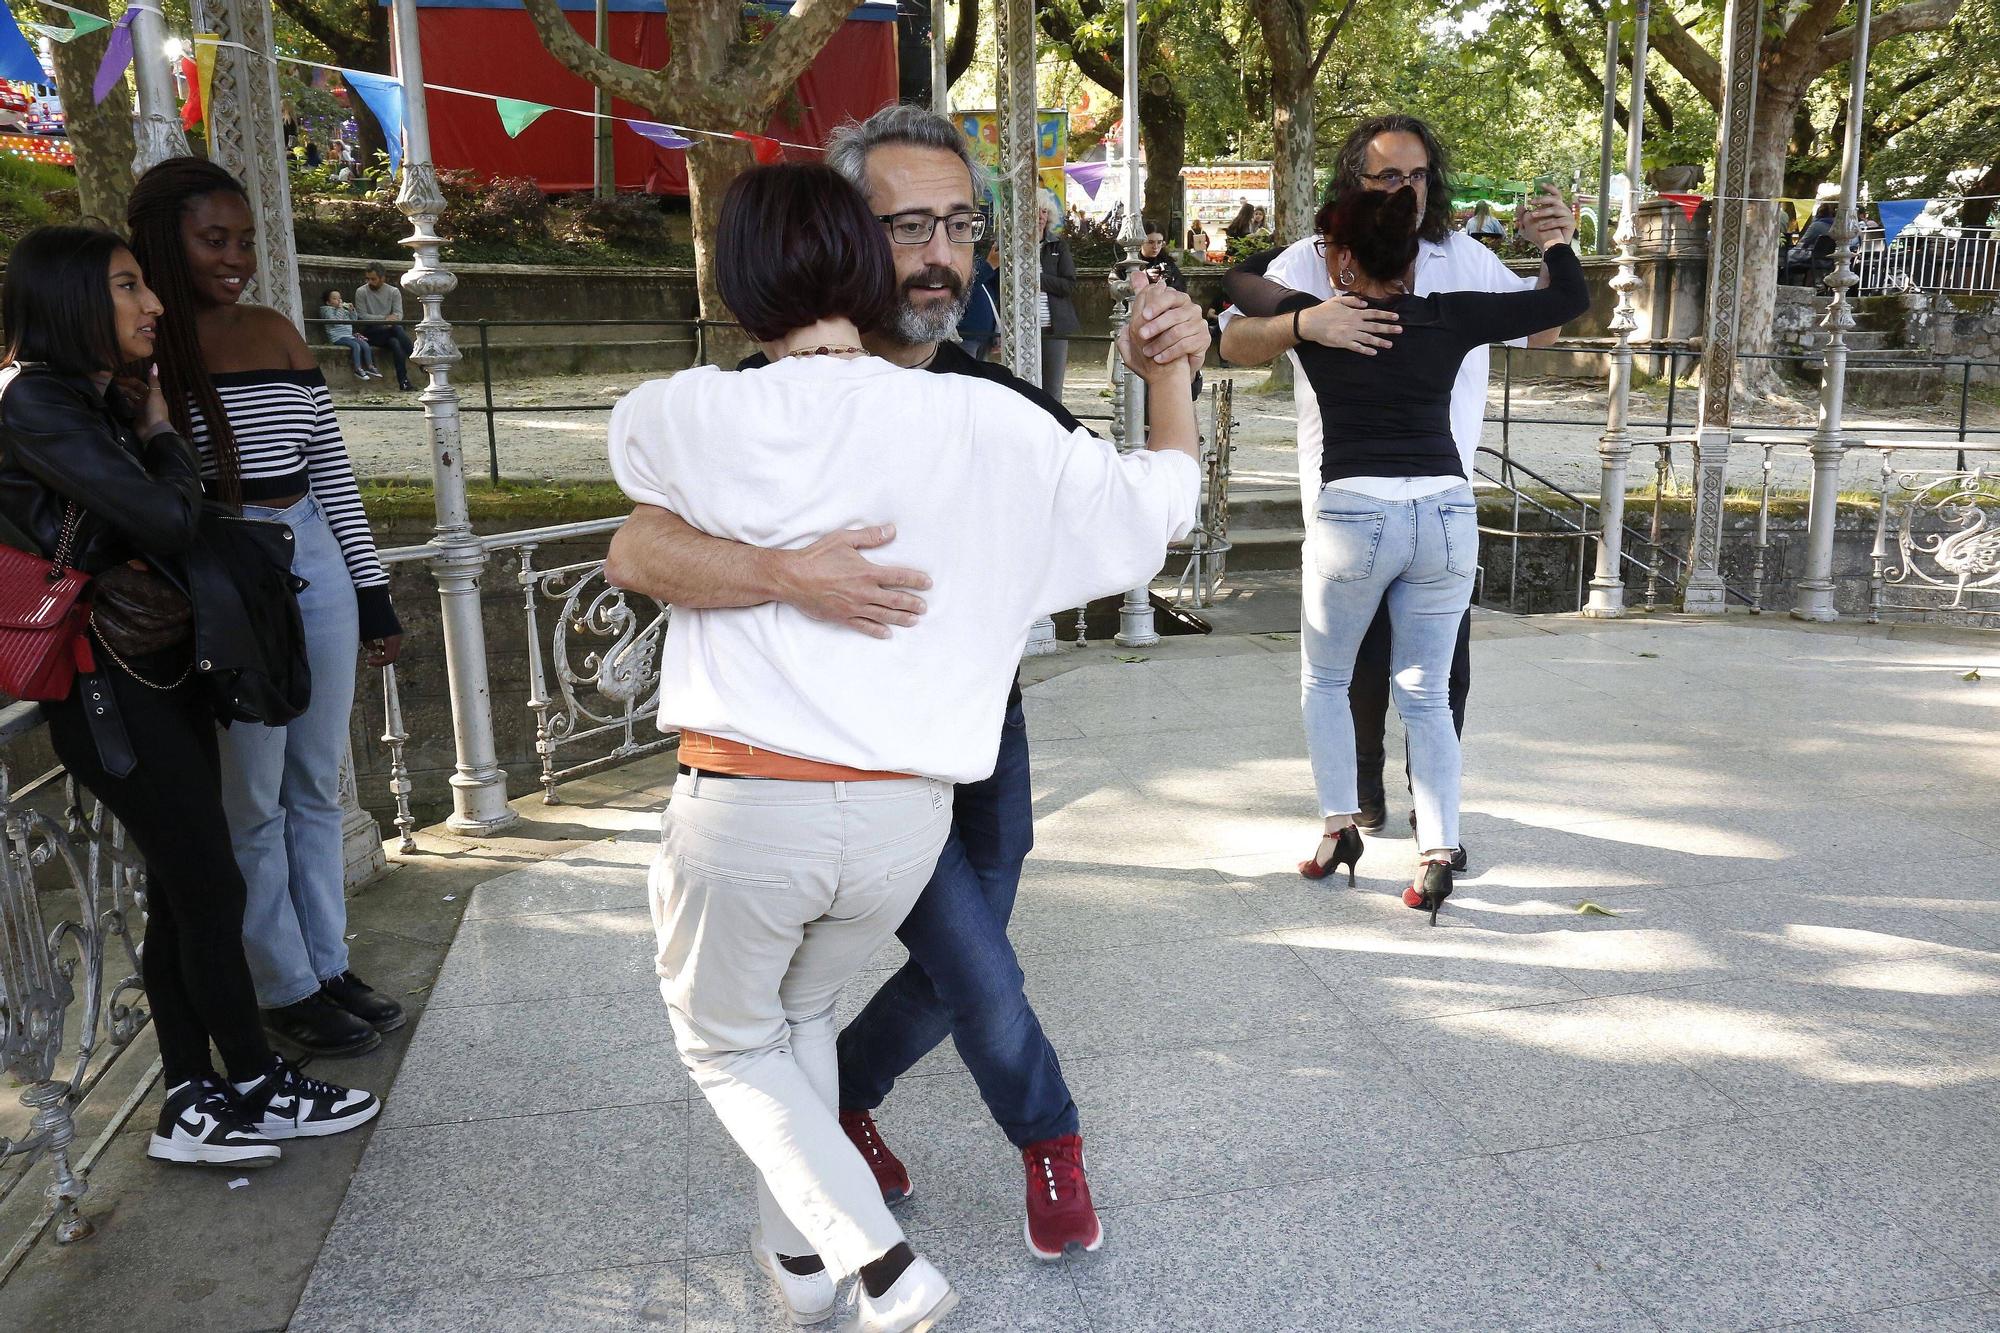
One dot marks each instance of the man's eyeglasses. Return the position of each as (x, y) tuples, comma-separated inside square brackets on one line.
[(1396, 180), (918, 228)]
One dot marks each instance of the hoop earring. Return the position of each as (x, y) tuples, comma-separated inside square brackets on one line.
[(1346, 278)]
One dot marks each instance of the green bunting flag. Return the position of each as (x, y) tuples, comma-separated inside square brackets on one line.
[(516, 116), (79, 25)]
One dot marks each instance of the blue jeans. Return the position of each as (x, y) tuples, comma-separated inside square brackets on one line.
[(359, 352), (962, 979), (281, 786), (1418, 557)]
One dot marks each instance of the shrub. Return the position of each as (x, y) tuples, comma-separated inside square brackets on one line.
[(504, 211), (624, 222)]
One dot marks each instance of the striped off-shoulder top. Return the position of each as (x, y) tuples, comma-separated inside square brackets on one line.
[(287, 443)]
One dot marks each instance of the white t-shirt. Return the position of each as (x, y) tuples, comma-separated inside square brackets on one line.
[(1011, 516), (1458, 264)]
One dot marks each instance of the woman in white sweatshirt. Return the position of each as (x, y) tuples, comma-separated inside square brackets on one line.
[(817, 764)]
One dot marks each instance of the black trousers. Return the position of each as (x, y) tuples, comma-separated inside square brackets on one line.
[(197, 981), (1368, 701), (391, 339)]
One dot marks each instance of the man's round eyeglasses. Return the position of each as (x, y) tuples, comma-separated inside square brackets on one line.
[(1396, 180), (918, 228)]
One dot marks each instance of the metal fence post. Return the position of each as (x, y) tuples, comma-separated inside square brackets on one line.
[(1814, 600), (486, 379), (478, 786)]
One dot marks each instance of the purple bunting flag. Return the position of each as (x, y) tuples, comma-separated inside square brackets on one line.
[(663, 135), (1090, 175), (117, 55)]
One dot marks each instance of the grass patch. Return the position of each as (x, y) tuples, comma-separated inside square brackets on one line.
[(33, 194), (519, 502)]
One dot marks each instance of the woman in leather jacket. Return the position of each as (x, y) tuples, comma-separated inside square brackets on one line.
[(140, 733)]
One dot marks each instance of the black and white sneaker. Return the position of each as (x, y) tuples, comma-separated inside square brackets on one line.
[(285, 1104), (201, 1123)]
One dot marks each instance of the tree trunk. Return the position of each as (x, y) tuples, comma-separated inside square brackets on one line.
[(1286, 45), (1976, 212), (712, 165), (1757, 288), (1163, 126), (100, 133)]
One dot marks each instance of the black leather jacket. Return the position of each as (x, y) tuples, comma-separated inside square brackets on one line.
[(62, 440)]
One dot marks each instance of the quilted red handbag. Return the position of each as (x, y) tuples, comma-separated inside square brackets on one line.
[(43, 617)]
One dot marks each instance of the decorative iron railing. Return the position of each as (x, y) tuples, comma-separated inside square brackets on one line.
[(1937, 540), (53, 978)]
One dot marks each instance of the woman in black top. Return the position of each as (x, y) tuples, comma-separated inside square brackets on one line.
[(1058, 281), (1396, 520), (101, 457)]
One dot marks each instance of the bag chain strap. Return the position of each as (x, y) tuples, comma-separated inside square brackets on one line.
[(72, 520), (105, 644)]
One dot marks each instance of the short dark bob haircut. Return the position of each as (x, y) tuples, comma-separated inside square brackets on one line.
[(1377, 227), (797, 244), (56, 306)]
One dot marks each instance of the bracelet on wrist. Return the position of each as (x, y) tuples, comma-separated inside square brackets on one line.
[(1296, 338)]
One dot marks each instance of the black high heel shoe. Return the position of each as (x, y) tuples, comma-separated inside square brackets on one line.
[(1346, 851), (1458, 858), (1430, 888)]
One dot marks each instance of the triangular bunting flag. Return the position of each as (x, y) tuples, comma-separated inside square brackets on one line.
[(662, 135), (79, 24), (766, 151), (205, 45), (1898, 214), (516, 116), (54, 33), (18, 60), (192, 110), (1089, 175), (1690, 203), (384, 97), (117, 56)]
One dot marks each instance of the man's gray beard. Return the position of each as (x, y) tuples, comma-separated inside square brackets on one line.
[(914, 327)]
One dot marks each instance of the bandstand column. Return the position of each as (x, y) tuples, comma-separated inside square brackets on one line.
[(478, 786), (246, 136), (157, 127), (1814, 600), (1614, 449), (1136, 628), (1742, 39), (1017, 197)]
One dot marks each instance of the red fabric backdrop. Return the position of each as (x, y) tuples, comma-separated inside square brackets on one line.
[(496, 51)]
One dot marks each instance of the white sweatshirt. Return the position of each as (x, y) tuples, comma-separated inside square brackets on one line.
[(1010, 515)]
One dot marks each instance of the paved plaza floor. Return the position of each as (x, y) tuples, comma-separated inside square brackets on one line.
[(1758, 1094)]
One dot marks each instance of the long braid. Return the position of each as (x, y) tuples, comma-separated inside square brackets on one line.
[(154, 212)]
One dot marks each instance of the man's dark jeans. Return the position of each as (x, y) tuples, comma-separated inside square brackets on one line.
[(962, 979), (1368, 700), (391, 339)]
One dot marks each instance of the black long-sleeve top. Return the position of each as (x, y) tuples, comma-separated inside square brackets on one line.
[(1389, 415)]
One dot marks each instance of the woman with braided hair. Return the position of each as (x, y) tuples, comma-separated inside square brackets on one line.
[(242, 387)]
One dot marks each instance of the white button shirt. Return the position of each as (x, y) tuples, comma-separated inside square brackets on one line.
[(1457, 264)]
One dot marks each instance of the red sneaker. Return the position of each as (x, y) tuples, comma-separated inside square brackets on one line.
[(1059, 1210), (890, 1173)]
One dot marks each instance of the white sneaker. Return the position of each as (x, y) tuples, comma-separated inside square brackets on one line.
[(809, 1297), (202, 1123), (919, 1299)]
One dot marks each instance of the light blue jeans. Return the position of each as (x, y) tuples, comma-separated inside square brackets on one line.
[(281, 786), (1419, 556)]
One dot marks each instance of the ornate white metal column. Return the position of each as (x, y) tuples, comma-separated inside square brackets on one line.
[(1614, 449), (157, 129), (1135, 616), (246, 135), (1606, 132), (1017, 200), (478, 787), (1742, 36), (1814, 599)]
